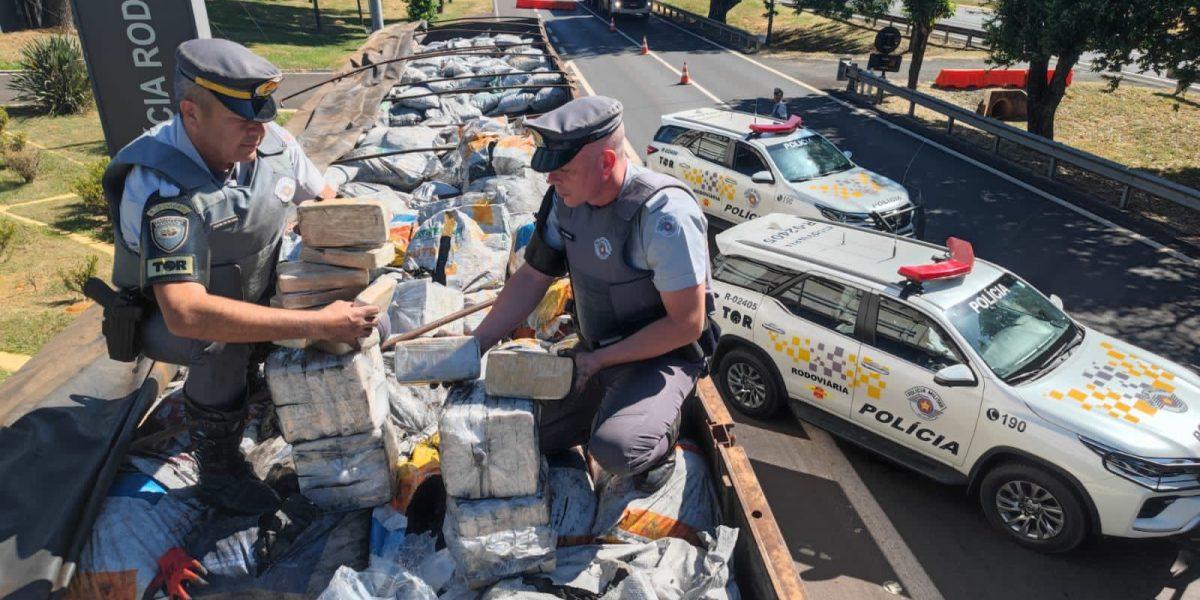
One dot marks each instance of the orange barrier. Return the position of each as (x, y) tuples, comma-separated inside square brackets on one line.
[(547, 4), (974, 79)]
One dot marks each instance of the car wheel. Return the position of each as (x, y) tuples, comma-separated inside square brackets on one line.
[(748, 384), (1033, 508)]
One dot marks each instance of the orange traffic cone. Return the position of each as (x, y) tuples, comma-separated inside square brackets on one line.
[(612, 25), (683, 78), (645, 46)]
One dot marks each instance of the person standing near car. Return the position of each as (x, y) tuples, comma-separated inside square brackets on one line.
[(780, 111)]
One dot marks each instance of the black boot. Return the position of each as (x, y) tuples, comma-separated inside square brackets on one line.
[(226, 480), (652, 479)]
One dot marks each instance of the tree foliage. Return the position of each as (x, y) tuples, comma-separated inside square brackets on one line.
[(719, 9), (1156, 35), (924, 14)]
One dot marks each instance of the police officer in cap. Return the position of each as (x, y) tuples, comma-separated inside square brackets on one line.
[(634, 244), (199, 205)]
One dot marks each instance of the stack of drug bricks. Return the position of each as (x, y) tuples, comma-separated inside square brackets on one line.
[(331, 399), (498, 505), (343, 244)]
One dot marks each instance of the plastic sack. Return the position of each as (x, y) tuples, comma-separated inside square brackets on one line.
[(666, 568), (415, 97), (400, 171), (139, 521), (549, 98), (521, 193), (684, 507), (395, 200), (478, 246), (489, 154), (348, 472), (573, 510), (400, 232), (513, 103), (544, 318), (472, 321), (396, 583), (521, 237)]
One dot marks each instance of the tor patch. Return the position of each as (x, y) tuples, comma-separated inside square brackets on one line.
[(667, 226), (169, 232)]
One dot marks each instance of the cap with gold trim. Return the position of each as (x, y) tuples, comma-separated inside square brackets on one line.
[(242, 80)]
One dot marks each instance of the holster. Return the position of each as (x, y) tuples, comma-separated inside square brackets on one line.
[(123, 313)]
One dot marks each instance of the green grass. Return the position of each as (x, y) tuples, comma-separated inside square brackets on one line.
[(802, 33), (1139, 127), (284, 31), (36, 305), (12, 42)]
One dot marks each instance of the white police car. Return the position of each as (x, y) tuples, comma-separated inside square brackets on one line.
[(962, 371), (741, 166)]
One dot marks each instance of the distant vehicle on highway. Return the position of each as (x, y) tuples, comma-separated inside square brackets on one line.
[(741, 166), (961, 371), (639, 8)]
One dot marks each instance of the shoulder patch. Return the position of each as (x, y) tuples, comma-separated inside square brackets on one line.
[(169, 232), (666, 226), (285, 188), (178, 207)]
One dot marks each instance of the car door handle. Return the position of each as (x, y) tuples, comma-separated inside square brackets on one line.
[(773, 328), (874, 367)]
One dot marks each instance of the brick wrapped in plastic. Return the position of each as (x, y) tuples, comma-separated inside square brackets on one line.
[(489, 446), (348, 472), (489, 558), (318, 395), (685, 505), (432, 360), (475, 518)]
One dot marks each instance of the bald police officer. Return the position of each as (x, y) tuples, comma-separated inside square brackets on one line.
[(199, 206), (634, 244)]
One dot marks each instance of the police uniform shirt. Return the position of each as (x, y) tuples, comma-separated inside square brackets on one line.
[(142, 183), (781, 111), (672, 239)]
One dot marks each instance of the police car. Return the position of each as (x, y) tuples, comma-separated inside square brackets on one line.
[(960, 370), (741, 166)]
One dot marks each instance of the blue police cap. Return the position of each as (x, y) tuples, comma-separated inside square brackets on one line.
[(242, 80), (561, 133)]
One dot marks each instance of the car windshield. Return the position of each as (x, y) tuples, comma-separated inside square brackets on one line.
[(808, 158), (1011, 326)]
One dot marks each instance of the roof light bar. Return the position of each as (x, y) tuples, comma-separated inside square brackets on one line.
[(960, 263), (792, 123)]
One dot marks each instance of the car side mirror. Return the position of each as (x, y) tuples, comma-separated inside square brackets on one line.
[(959, 375), (1056, 301), (762, 177), (848, 154)]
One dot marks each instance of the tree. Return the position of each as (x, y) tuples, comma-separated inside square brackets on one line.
[(718, 9), (1153, 34), (924, 14), (771, 12)]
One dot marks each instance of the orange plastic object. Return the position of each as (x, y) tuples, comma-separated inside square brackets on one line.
[(974, 79)]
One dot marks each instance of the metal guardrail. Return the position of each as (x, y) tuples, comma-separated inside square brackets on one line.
[(970, 34), (737, 38), (1131, 179)]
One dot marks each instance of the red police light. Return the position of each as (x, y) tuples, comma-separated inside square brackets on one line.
[(961, 261), (792, 123)]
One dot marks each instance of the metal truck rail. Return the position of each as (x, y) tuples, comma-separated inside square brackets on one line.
[(68, 417)]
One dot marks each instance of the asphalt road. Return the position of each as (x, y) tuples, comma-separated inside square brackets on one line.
[(859, 527)]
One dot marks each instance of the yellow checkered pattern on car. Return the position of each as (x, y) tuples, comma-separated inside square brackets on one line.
[(716, 186), (1124, 387), (832, 363), (847, 189)]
